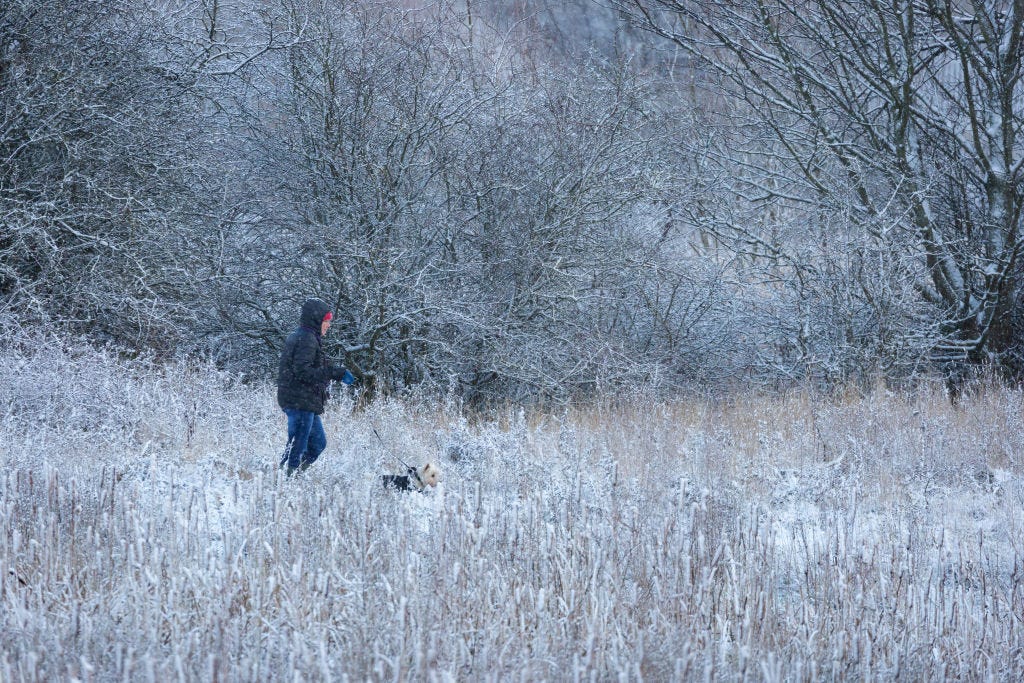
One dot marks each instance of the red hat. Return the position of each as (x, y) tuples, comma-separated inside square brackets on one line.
[(328, 316)]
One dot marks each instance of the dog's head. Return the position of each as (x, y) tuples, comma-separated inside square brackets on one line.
[(429, 474)]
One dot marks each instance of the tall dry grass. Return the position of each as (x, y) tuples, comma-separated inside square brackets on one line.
[(146, 535)]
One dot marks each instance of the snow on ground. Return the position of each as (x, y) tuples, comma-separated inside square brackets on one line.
[(146, 534)]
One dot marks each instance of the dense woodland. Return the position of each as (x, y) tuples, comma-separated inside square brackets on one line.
[(512, 200)]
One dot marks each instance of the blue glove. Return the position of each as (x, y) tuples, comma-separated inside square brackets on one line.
[(342, 375)]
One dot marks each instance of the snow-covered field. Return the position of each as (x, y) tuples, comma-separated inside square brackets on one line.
[(146, 535)]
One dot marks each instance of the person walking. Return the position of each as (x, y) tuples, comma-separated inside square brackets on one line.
[(303, 378)]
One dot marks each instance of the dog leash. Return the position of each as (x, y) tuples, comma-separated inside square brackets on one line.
[(411, 470)]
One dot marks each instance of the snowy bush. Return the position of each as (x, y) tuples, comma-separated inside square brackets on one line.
[(146, 534)]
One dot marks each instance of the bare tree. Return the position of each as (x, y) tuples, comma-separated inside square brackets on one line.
[(81, 151), (908, 113), (475, 216), (104, 163)]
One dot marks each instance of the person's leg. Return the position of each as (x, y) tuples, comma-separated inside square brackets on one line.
[(300, 423), (316, 444)]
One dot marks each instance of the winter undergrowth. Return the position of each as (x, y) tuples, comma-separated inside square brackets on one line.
[(146, 534)]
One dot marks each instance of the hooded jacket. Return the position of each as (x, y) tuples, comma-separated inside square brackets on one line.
[(303, 373)]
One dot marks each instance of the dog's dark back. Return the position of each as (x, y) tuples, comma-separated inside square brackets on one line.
[(398, 482), (402, 482)]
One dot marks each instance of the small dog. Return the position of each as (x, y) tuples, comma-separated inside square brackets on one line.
[(416, 479)]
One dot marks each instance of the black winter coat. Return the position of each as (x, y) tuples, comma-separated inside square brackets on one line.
[(303, 374)]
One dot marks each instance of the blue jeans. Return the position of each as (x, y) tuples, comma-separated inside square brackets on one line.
[(306, 439)]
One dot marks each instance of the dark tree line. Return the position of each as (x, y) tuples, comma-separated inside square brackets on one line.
[(504, 203)]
